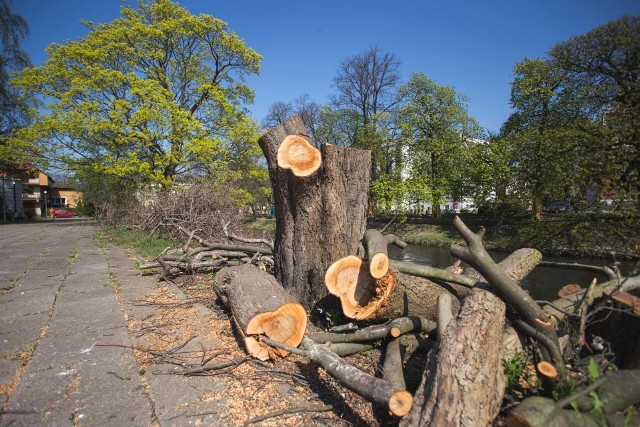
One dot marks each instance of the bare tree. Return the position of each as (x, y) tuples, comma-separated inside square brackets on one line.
[(366, 83), (309, 110), (366, 90), (303, 105), (278, 112)]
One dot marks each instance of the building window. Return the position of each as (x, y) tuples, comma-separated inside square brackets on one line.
[(58, 201)]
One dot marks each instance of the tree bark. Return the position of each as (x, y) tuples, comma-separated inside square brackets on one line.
[(261, 306), (460, 384), (318, 218), (392, 369), (376, 390)]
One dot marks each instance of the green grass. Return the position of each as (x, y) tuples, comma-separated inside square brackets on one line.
[(141, 243), (260, 225), (429, 235)]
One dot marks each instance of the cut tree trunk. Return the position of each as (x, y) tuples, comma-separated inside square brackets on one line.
[(394, 295), (261, 306), (460, 383), (319, 218)]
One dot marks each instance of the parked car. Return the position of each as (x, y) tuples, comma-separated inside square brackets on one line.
[(64, 214), (559, 207)]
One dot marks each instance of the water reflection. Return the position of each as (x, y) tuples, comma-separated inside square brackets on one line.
[(543, 283)]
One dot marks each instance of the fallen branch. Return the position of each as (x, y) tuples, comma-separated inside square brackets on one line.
[(289, 411), (433, 273), (344, 349), (444, 313), (260, 306), (394, 328), (395, 240), (375, 247), (213, 367), (584, 309), (226, 246), (392, 370), (466, 365), (604, 270), (231, 236), (376, 390), (519, 300), (559, 308)]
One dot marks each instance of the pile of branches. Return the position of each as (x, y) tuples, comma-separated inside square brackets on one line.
[(199, 255), (474, 331), (196, 206)]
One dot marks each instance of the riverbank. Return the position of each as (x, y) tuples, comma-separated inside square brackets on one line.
[(566, 235), (576, 236)]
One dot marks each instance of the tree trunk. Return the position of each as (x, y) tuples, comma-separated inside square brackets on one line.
[(394, 295), (459, 385), (318, 218), (261, 306), (418, 296)]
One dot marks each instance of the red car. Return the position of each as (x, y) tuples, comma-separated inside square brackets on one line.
[(64, 214)]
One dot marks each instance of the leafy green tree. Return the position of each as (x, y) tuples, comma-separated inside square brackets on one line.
[(548, 134), (238, 161), (338, 127), (606, 61), (147, 98), (13, 107), (437, 131)]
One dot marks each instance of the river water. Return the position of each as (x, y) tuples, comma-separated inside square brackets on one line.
[(543, 283)]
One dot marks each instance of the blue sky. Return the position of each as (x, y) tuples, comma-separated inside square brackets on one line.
[(470, 45)]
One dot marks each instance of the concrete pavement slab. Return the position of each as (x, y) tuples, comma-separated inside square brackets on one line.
[(71, 379)]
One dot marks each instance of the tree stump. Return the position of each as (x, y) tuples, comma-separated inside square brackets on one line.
[(319, 217), (261, 306)]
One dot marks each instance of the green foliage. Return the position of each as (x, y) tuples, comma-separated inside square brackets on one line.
[(574, 130), (437, 133), (565, 388), (153, 95), (546, 135), (521, 377), (605, 62)]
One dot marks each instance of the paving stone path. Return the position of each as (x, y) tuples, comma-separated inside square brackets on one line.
[(58, 300)]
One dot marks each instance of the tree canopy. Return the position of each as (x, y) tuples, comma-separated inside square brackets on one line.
[(606, 60), (438, 133), (13, 30), (149, 97)]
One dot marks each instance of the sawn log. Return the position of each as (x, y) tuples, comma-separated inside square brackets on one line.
[(261, 306)]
